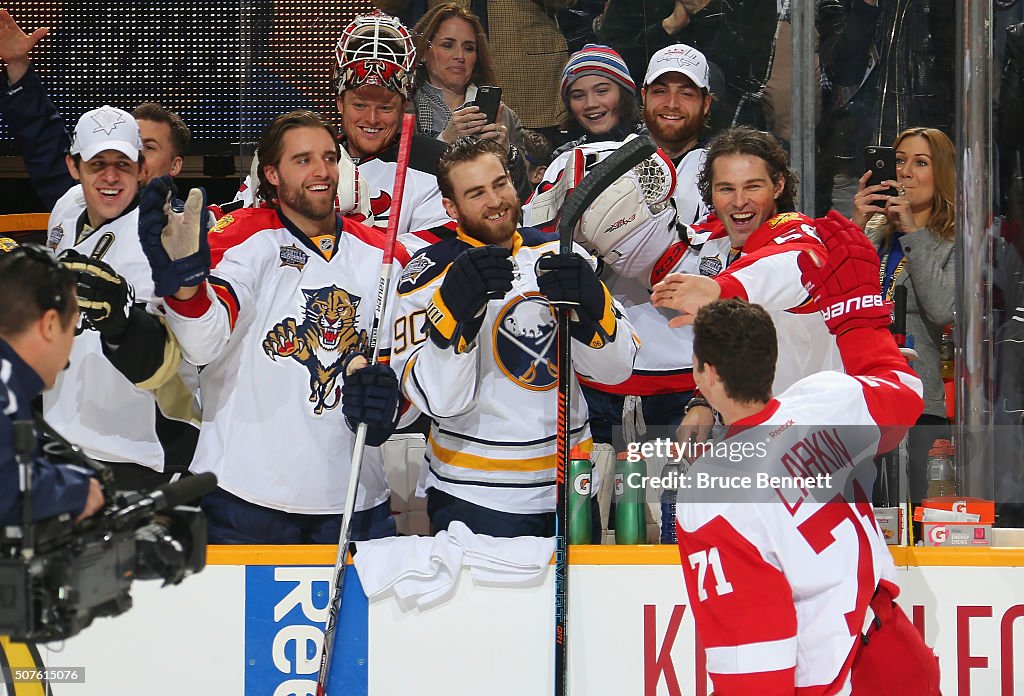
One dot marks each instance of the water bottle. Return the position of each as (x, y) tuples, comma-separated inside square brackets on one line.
[(940, 469), (668, 504), (579, 496), (946, 353), (630, 517)]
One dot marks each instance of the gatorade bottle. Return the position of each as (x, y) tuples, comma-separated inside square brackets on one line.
[(668, 505), (946, 352), (630, 520), (940, 469), (579, 496)]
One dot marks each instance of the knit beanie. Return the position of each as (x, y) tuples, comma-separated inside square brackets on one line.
[(596, 59)]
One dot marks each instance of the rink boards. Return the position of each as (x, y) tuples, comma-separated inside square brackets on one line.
[(251, 624)]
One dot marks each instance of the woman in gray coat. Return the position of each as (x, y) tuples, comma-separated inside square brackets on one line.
[(914, 236)]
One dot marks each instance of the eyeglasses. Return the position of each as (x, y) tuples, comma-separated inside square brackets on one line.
[(52, 295)]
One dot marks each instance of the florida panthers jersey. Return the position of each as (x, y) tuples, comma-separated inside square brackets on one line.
[(764, 272), (494, 406), (272, 326), (92, 403), (780, 578), (665, 365)]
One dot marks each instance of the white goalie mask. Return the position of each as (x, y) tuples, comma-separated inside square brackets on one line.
[(375, 49)]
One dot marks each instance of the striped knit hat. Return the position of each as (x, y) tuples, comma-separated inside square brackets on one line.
[(596, 59)]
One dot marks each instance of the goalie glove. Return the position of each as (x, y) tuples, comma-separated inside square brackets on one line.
[(845, 285), (104, 297), (570, 281), (174, 236), (456, 312)]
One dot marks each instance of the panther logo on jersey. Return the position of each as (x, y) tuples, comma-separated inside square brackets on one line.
[(524, 342), (326, 334)]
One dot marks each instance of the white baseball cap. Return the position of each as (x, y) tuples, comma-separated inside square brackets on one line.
[(106, 128), (682, 59)]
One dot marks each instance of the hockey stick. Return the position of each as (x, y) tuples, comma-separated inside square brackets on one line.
[(597, 180), (384, 284)]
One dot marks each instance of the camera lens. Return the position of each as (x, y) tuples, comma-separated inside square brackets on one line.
[(880, 164)]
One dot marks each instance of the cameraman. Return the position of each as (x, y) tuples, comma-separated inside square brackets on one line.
[(38, 313)]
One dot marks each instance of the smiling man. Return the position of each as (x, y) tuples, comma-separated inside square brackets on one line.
[(276, 307), (748, 249), (475, 344)]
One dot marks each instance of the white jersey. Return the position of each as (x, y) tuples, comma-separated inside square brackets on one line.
[(92, 404), (423, 217), (492, 441), (665, 365), (272, 326), (804, 561)]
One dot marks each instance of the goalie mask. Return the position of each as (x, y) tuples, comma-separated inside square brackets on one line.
[(375, 49)]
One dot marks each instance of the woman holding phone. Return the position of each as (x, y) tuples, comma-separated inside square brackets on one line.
[(455, 62), (913, 232)]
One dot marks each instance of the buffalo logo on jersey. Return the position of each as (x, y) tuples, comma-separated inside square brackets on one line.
[(293, 256), (524, 342), (325, 336)]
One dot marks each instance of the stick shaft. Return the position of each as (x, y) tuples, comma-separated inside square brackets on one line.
[(383, 285)]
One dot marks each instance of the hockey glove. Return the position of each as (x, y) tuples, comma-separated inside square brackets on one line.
[(371, 395), (845, 284), (570, 281), (104, 297), (174, 236), (457, 309)]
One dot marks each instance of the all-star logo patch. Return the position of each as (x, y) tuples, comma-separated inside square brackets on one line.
[(417, 267), (710, 266), (292, 255), (54, 236)]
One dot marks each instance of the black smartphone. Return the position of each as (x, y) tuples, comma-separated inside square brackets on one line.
[(488, 97), (881, 161)]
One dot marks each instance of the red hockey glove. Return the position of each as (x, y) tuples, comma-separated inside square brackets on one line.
[(845, 285)]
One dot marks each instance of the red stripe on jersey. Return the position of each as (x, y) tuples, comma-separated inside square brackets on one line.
[(646, 385), (431, 237), (667, 261), (194, 307), (238, 226), (731, 287), (226, 296), (375, 237)]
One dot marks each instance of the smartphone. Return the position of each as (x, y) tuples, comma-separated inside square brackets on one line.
[(488, 97), (881, 161)]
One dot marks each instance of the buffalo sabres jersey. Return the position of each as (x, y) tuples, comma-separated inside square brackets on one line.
[(423, 217), (92, 404), (665, 365), (764, 272), (492, 441), (804, 561), (272, 325)]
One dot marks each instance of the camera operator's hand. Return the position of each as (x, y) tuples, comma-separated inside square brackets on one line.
[(93, 501)]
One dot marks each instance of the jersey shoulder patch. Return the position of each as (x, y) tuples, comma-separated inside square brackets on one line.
[(429, 263)]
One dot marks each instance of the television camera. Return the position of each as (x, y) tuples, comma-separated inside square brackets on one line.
[(57, 575)]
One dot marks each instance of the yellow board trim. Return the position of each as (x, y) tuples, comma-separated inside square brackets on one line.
[(22, 656), (23, 222), (619, 555)]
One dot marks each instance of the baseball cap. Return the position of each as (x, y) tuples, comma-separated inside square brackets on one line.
[(106, 128), (682, 59)]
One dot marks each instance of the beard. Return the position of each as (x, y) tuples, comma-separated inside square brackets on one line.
[(491, 233), (296, 198), (673, 135)]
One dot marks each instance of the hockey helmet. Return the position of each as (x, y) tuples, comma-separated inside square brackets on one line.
[(375, 49)]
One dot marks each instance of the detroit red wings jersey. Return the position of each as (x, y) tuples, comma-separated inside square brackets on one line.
[(764, 272), (271, 326), (780, 579), (665, 365)]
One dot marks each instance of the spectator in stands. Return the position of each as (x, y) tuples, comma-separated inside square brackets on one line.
[(40, 131), (914, 233), (454, 60), (890, 65), (537, 152)]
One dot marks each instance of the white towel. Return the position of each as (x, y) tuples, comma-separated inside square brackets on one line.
[(502, 561)]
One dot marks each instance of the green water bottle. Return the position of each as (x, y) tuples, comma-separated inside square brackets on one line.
[(579, 496), (630, 519)]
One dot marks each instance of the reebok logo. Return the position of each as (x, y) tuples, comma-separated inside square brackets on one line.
[(854, 303)]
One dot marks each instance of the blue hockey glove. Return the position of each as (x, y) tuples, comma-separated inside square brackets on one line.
[(174, 236)]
